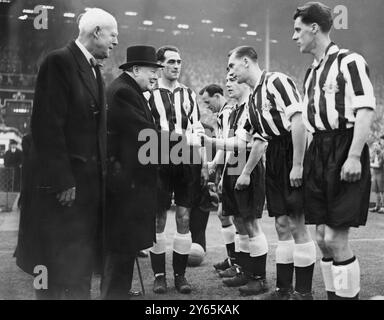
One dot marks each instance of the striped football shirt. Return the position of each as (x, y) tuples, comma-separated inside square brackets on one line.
[(223, 120), (175, 111), (271, 106), (334, 89)]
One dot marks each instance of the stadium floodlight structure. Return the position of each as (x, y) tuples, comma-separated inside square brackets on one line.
[(217, 29), (130, 13), (69, 14), (251, 33), (183, 26), (147, 22)]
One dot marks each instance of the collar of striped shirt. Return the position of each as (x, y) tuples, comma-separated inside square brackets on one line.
[(223, 108), (260, 80), (161, 85), (331, 49)]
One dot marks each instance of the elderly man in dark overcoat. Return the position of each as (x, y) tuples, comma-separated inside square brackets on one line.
[(132, 185), (61, 225)]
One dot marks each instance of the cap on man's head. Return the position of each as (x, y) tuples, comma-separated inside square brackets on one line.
[(141, 56)]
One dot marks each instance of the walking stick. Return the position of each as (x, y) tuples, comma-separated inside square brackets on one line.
[(139, 272)]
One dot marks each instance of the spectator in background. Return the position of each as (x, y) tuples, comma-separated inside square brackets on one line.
[(13, 160), (377, 171)]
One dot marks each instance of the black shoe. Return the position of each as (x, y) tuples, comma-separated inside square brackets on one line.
[(182, 284), (238, 280), (230, 272), (142, 254), (278, 294), (301, 296), (223, 265), (160, 284), (254, 287)]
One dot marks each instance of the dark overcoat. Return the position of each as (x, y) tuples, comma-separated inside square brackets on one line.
[(131, 185), (68, 149)]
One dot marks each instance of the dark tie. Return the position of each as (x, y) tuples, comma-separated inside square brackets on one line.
[(99, 79)]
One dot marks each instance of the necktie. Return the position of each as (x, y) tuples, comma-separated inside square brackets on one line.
[(99, 78)]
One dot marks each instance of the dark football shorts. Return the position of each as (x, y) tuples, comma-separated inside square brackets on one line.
[(182, 180), (377, 181), (282, 199), (327, 199), (248, 202)]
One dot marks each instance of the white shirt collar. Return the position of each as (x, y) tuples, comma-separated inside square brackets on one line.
[(84, 50)]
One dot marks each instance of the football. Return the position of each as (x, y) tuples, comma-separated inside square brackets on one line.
[(196, 255)]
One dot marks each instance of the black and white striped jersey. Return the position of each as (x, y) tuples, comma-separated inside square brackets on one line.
[(271, 106), (334, 89), (223, 120), (175, 111)]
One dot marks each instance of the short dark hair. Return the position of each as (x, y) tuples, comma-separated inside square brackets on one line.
[(12, 141), (315, 12), (212, 89), (160, 54), (244, 51)]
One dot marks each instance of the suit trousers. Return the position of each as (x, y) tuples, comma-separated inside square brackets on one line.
[(116, 282)]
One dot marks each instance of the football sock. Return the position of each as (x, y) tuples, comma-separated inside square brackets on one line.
[(181, 247), (157, 253), (304, 258), (258, 249), (284, 264), (326, 270), (346, 279), (228, 233)]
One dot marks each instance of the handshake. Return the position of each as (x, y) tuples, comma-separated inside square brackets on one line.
[(200, 139)]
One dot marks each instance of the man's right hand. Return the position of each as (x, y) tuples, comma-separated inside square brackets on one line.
[(67, 197)]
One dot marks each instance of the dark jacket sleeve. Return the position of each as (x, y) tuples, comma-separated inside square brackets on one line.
[(52, 98), (128, 117)]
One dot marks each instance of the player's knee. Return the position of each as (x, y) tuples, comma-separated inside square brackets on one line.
[(321, 241), (333, 243), (160, 224), (182, 221), (297, 229), (282, 226), (225, 220)]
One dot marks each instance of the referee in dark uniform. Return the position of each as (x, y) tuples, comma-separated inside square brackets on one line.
[(338, 109), (275, 114)]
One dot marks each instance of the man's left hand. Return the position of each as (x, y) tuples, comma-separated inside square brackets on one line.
[(351, 170), (243, 182)]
